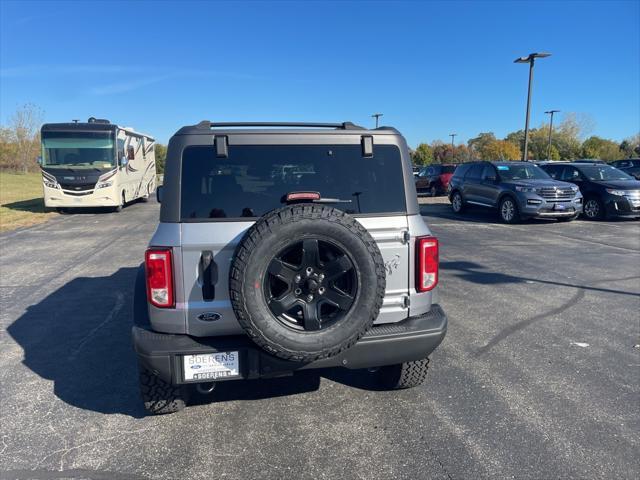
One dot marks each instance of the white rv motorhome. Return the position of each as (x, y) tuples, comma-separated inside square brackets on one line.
[(95, 164)]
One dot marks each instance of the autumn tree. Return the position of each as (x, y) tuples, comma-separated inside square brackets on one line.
[(477, 144), (20, 140), (631, 146), (500, 150)]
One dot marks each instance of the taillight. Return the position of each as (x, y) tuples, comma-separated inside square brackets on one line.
[(159, 271), (426, 263)]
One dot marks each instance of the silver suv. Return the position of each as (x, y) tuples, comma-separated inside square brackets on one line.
[(250, 274)]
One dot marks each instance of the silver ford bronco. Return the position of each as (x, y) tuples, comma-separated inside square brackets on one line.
[(284, 247)]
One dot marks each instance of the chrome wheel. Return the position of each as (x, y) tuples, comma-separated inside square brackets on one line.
[(508, 210), (592, 208), (456, 202)]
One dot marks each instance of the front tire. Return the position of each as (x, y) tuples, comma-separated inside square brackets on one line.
[(404, 375), (508, 211), (594, 209), (123, 202), (457, 204), (160, 397)]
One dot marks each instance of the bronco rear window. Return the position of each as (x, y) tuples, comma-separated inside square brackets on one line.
[(254, 179)]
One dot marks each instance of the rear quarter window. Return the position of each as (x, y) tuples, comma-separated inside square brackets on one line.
[(254, 179), (461, 170)]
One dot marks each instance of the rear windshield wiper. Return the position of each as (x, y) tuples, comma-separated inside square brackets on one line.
[(314, 197)]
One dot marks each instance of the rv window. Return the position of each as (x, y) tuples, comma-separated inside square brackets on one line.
[(78, 149)]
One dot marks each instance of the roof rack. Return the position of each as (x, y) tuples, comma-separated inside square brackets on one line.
[(205, 124)]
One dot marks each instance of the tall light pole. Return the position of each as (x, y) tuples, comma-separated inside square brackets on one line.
[(530, 60), (377, 116), (452, 135), (550, 112)]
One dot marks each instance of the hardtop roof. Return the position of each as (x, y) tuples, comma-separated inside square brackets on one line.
[(206, 127)]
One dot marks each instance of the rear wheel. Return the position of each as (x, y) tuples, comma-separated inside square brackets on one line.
[(508, 210), (404, 375), (593, 209), (145, 197), (457, 204), (160, 397)]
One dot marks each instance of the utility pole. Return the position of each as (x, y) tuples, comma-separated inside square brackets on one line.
[(452, 135), (550, 112), (377, 116), (530, 60)]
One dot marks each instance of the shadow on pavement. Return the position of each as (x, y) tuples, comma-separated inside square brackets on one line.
[(476, 273), (80, 338)]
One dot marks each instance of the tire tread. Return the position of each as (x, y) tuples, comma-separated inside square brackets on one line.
[(264, 226)]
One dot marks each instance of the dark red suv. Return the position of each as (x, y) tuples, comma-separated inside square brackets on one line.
[(434, 179)]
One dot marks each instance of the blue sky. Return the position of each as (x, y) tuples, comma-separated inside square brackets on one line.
[(432, 68)]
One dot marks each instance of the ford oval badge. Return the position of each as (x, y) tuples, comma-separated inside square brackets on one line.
[(209, 316)]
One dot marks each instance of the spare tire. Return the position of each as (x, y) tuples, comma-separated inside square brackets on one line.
[(306, 282)]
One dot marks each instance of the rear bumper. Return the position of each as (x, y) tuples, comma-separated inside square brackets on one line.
[(412, 339)]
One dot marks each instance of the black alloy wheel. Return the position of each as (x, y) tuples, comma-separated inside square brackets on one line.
[(310, 285)]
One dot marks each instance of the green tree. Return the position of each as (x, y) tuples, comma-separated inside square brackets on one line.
[(161, 157), (596, 147), (423, 155)]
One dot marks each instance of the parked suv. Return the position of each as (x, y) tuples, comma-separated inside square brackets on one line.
[(434, 179), (608, 192), (519, 190), (630, 166), (251, 274)]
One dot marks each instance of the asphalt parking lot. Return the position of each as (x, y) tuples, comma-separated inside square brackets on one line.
[(537, 378)]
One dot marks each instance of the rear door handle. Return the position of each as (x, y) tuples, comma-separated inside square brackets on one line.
[(208, 275)]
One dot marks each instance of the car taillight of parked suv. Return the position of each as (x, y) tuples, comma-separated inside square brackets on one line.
[(518, 190), (434, 179)]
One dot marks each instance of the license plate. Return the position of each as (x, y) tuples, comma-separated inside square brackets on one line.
[(211, 366), (559, 206)]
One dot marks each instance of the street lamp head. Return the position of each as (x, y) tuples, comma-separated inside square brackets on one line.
[(377, 114), (531, 57), (549, 112)]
